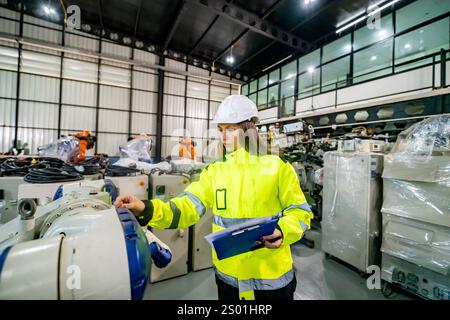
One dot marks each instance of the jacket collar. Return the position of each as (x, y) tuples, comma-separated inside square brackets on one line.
[(240, 153)]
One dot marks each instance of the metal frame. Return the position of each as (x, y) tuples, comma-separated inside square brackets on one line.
[(181, 8), (255, 23), (100, 30)]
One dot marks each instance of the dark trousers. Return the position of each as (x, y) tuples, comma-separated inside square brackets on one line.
[(228, 292)]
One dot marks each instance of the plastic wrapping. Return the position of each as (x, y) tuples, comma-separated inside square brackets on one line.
[(318, 177), (427, 202), (187, 165), (426, 245), (64, 149), (433, 169), (146, 168), (428, 137), (137, 149), (351, 222)]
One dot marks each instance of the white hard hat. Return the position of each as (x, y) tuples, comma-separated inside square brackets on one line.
[(235, 109), (263, 129)]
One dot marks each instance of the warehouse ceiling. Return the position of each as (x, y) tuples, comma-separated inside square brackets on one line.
[(212, 30)]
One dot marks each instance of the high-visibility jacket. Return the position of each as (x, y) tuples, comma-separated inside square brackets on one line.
[(242, 187)]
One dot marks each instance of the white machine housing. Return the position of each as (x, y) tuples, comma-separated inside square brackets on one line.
[(351, 221), (166, 186), (77, 247)]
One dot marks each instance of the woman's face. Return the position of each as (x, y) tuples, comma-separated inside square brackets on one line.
[(229, 135)]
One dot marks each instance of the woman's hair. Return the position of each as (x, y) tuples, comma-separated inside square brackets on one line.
[(250, 139)]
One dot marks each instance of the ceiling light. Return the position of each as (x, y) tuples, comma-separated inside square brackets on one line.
[(306, 2), (311, 69), (373, 58), (230, 59), (383, 7), (47, 10), (52, 11), (373, 6), (340, 24), (407, 46)]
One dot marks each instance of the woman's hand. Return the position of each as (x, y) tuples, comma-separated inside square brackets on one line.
[(266, 240), (130, 202)]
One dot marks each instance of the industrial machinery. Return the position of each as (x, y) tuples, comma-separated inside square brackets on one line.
[(87, 142), (38, 177), (165, 186), (201, 256), (8, 197), (77, 247), (416, 211), (351, 222), (71, 149)]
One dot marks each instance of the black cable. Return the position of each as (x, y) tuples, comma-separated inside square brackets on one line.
[(50, 175), (118, 171)]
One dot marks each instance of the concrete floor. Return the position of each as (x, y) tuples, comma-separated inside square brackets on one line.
[(318, 278)]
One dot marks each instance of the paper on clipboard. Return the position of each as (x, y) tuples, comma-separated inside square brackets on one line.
[(241, 238)]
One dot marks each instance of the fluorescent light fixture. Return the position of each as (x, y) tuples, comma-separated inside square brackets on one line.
[(278, 62), (375, 5), (230, 59), (351, 24), (47, 10), (383, 7), (340, 24)]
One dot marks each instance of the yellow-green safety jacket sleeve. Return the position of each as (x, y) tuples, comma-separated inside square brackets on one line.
[(181, 211), (297, 214)]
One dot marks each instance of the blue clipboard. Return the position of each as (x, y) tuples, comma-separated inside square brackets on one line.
[(241, 238)]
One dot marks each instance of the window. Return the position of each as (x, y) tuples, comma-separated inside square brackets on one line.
[(287, 107), (273, 95), (262, 82), (421, 42), (262, 99), (244, 89), (274, 76), (337, 49), (253, 97), (288, 88), (373, 62), (289, 71), (366, 36), (420, 11), (311, 60), (253, 86), (309, 83), (335, 73)]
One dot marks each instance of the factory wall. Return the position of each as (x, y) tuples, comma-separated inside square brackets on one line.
[(189, 105), (60, 93)]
